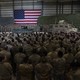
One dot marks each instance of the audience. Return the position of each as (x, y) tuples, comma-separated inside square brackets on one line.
[(40, 56)]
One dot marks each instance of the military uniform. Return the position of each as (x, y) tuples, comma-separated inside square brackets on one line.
[(42, 51), (51, 55), (5, 71), (73, 48), (69, 75), (76, 75), (43, 71), (61, 49), (34, 59), (69, 59), (50, 46), (19, 58), (27, 49), (77, 43), (77, 57), (66, 44), (6, 53), (59, 68), (26, 71)]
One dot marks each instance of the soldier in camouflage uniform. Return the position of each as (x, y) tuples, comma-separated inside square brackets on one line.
[(19, 56), (18, 60), (42, 50), (61, 48), (69, 59), (34, 59), (77, 57), (6, 53), (76, 75), (51, 55), (13, 51), (5, 69), (43, 70), (27, 48), (59, 67), (26, 70)]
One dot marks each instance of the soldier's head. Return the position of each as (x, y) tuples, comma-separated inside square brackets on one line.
[(43, 59), (5, 48), (2, 39), (42, 51), (41, 44), (24, 39), (28, 42), (69, 50), (34, 50), (12, 40), (25, 60), (60, 53), (61, 45), (21, 49)]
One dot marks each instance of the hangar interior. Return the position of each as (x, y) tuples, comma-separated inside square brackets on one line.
[(39, 39)]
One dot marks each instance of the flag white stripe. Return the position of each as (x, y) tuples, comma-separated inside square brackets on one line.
[(27, 22), (32, 13), (31, 17)]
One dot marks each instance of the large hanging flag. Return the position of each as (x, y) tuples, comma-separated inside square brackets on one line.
[(29, 16)]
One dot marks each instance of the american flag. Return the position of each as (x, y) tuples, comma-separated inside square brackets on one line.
[(29, 16)]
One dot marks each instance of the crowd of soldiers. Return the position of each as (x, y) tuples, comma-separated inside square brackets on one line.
[(40, 56)]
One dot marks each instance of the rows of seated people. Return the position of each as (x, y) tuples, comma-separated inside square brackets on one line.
[(40, 56)]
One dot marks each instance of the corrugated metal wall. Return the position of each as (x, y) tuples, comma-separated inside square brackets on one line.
[(6, 9), (48, 9)]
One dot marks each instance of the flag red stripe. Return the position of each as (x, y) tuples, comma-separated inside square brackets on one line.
[(24, 19), (32, 9), (27, 21), (32, 13)]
